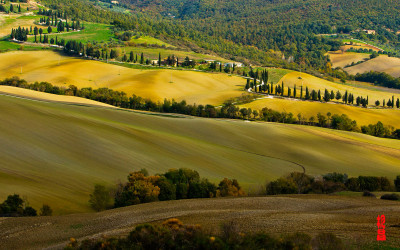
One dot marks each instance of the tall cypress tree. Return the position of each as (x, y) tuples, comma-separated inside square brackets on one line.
[(301, 92), (294, 91), (159, 59), (141, 58)]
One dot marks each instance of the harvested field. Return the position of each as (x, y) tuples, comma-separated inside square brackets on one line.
[(340, 59), (351, 218), (382, 63)]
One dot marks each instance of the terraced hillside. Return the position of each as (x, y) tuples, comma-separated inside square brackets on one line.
[(53, 153)]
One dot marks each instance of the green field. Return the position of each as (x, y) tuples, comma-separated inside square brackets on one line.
[(54, 153), (92, 32), (150, 40)]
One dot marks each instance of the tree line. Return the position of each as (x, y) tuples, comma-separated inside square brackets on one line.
[(15, 206), (379, 79), (301, 183), (227, 110), (259, 86), (175, 184), (173, 234)]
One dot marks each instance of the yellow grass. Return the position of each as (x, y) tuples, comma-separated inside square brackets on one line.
[(383, 63), (54, 153), (340, 59), (27, 93), (363, 116), (194, 87), (11, 21), (316, 83), (360, 46)]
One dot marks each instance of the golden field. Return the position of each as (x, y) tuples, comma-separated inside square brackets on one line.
[(340, 59), (54, 153), (192, 86), (41, 96), (363, 116), (312, 82), (382, 63)]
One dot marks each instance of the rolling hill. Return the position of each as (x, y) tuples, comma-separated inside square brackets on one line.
[(312, 82), (54, 153), (363, 116), (382, 63), (340, 59), (353, 219), (156, 84)]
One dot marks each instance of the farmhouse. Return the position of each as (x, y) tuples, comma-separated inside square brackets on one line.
[(230, 64), (370, 32)]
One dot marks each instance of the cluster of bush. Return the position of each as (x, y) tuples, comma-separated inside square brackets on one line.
[(15, 206), (300, 183), (379, 79), (173, 234), (228, 109), (175, 184)]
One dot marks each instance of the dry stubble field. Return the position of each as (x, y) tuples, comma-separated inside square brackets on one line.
[(351, 218)]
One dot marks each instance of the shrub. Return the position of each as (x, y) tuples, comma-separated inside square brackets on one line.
[(46, 210), (100, 199), (281, 186), (139, 189), (392, 197), (173, 234), (368, 194), (301, 240), (182, 175), (301, 181), (353, 184), (336, 177), (327, 241), (29, 211), (203, 189), (12, 206), (229, 187), (397, 183), (167, 189), (182, 191)]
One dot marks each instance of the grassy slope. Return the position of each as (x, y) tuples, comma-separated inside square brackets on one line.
[(340, 59), (308, 108), (383, 63), (92, 32), (357, 89), (36, 95), (194, 87), (152, 53), (351, 218), (10, 21), (361, 115), (54, 153)]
